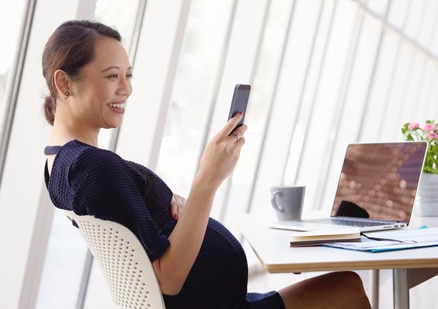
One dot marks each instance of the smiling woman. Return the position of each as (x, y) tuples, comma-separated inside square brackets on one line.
[(86, 92), (89, 81), (102, 86)]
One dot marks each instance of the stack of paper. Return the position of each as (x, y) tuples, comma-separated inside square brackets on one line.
[(323, 236), (392, 240)]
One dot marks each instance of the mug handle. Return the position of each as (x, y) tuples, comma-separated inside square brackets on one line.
[(274, 201)]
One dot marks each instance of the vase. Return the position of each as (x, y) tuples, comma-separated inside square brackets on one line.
[(426, 200)]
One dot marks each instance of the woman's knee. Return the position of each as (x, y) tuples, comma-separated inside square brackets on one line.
[(353, 278), (348, 278)]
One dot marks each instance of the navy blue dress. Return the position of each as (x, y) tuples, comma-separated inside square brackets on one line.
[(93, 181)]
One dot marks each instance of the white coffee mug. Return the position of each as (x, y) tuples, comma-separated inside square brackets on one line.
[(288, 201)]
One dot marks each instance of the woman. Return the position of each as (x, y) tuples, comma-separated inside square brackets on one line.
[(197, 261)]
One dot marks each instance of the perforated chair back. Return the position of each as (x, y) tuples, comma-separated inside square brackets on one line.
[(127, 269)]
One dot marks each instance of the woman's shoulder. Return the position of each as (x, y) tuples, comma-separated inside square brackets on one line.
[(78, 159), (76, 154), (77, 148)]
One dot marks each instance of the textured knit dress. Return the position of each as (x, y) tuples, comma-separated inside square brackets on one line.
[(93, 181)]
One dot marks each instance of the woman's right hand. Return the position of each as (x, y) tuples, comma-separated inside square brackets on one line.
[(222, 152), (218, 161)]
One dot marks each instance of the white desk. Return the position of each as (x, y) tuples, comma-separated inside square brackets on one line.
[(272, 248)]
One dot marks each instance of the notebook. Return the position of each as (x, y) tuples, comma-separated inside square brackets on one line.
[(376, 188)]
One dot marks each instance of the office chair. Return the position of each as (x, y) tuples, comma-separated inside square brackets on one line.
[(123, 260)]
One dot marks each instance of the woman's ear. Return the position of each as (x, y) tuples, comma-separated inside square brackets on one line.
[(62, 83)]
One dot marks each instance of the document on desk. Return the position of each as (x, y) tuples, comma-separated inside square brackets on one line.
[(392, 240)]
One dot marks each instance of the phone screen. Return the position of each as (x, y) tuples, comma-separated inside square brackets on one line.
[(239, 102)]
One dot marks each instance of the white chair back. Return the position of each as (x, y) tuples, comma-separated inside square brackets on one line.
[(123, 260)]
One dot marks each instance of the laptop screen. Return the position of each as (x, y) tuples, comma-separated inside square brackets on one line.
[(379, 180)]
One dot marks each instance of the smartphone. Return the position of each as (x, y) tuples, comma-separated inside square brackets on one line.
[(239, 102)]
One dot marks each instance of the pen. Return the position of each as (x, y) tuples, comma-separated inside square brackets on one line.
[(388, 239)]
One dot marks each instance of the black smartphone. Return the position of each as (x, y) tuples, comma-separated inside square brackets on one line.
[(239, 102)]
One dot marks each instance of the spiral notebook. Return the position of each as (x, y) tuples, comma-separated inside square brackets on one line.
[(376, 188)]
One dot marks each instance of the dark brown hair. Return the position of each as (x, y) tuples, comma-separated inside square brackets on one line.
[(70, 48)]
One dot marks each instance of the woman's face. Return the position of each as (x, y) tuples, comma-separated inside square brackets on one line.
[(105, 85)]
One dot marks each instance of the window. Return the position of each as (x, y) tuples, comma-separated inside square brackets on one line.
[(324, 73)]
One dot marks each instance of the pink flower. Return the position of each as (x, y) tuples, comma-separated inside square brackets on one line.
[(413, 131), (433, 135), (413, 125), (429, 127)]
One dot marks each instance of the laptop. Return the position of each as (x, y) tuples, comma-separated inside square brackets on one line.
[(376, 188)]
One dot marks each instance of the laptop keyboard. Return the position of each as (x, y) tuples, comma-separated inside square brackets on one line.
[(348, 222)]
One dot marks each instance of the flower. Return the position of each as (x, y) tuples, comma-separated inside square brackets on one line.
[(429, 133)]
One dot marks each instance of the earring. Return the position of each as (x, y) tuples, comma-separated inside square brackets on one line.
[(66, 94)]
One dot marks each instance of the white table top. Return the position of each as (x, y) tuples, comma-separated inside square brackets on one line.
[(275, 254)]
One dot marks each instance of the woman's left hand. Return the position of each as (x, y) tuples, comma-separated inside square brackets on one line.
[(177, 205)]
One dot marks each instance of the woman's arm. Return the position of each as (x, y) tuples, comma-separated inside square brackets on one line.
[(218, 161)]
